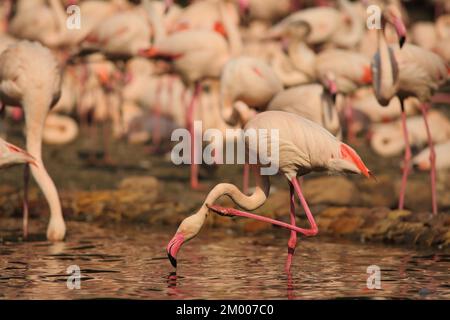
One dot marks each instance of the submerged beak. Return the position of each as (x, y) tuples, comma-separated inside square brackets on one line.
[(173, 247), (370, 175), (401, 31)]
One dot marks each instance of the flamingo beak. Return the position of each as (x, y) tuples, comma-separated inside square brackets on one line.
[(173, 247), (244, 7), (401, 31), (370, 175), (332, 88), (167, 5), (22, 154)]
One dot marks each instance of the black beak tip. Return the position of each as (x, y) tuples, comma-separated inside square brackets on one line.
[(172, 260), (402, 41)]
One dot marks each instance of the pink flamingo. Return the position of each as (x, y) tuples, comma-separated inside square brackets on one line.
[(411, 71), (303, 147), (30, 78), (197, 55), (246, 83)]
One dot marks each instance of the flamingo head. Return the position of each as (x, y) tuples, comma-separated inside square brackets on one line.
[(244, 7), (167, 5), (392, 15), (329, 81), (348, 161), (10, 155), (187, 230)]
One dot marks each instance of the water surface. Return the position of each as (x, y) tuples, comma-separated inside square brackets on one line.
[(130, 262)]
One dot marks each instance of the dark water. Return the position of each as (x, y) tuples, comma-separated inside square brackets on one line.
[(130, 262)]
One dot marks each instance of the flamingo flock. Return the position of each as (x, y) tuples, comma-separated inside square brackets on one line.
[(312, 70)]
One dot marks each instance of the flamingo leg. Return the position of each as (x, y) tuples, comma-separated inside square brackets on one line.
[(26, 179), (424, 108), (190, 122), (407, 160), (246, 178), (156, 132), (307, 232), (106, 144), (293, 238), (349, 120)]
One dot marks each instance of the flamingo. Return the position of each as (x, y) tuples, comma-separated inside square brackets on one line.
[(442, 150), (249, 80), (303, 147), (268, 10), (387, 139), (327, 25), (122, 34), (30, 78), (246, 83), (350, 70), (411, 71), (197, 55), (312, 102), (12, 155)]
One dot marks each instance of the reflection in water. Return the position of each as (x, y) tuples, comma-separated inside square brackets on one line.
[(130, 262)]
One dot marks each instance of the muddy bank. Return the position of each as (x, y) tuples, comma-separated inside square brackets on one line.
[(355, 210), (143, 188)]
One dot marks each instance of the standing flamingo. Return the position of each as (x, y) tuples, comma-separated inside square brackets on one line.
[(246, 83), (197, 55), (303, 147), (30, 78), (311, 101), (410, 71)]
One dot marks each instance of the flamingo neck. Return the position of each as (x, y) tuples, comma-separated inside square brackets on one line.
[(252, 202), (231, 29), (385, 80)]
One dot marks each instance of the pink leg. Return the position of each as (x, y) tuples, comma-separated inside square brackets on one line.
[(443, 98), (190, 114), (26, 178), (349, 122), (406, 162), (293, 239), (156, 132), (307, 232), (246, 178), (424, 108)]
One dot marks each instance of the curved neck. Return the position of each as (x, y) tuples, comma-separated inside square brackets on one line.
[(252, 202), (298, 51), (386, 73), (330, 116), (156, 20), (232, 30), (349, 38), (59, 13), (283, 68)]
